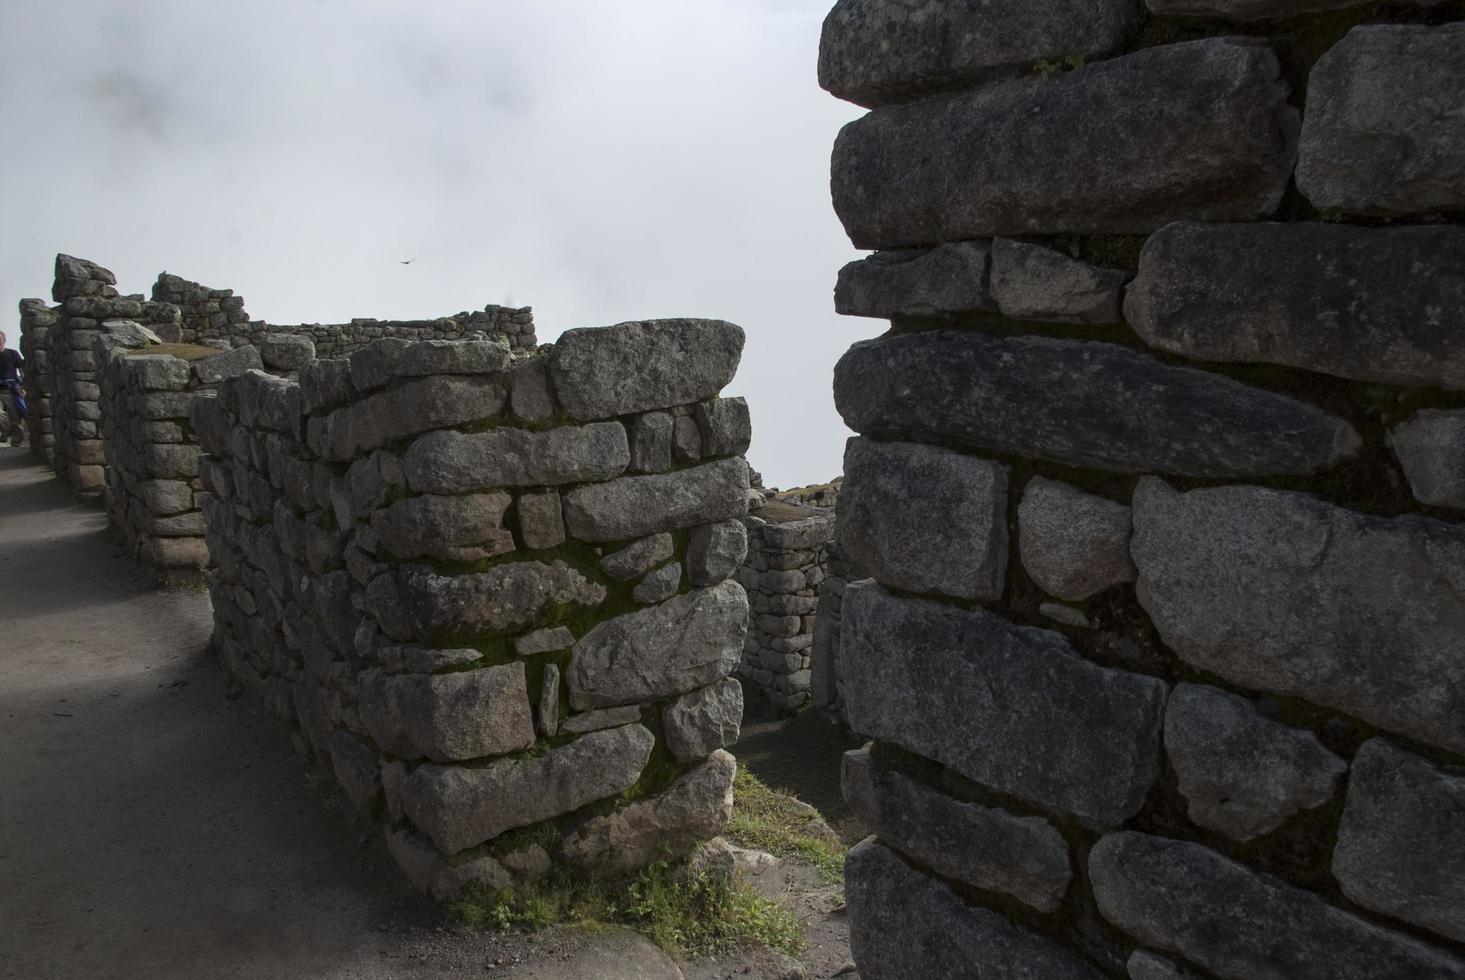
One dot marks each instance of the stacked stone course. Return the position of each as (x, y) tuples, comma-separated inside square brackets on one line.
[(1159, 486), (493, 593)]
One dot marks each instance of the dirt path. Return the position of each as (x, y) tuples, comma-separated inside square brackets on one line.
[(150, 827)]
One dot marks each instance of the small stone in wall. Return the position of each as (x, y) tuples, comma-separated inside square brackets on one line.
[(651, 443), (1030, 282), (541, 524), (1431, 449), (716, 552), (658, 585), (544, 641), (1144, 965), (702, 721), (686, 440), (726, 427), (948, 280), (355, 766), (1073, 544), (548, 715), (530, 396), (638, 557), (286, 351)]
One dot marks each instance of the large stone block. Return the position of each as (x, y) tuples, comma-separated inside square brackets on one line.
[(460, 807), (1072, 543), (1431, 449), (1199, 130), (877, 51), (944, 281), (604, 372), (702, 721), (1240, 773), (463, 528), (1254, 10), (1383, 132), (687, 642), (1012, 707), (455, 462), (638, 506), (1081, 404), (1241, 925), (987, 847), (906, 924), (504, 599), (1281, 592), (448, 717), (924, 519), (414, 406), (1373, 304), (1400, 846)]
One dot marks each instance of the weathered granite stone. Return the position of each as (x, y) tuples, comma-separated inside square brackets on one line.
[(1431, 448), (1030, 282), (544, 641), (163, 497), (448, 717), (452, 357), (503, 599), (548, 716), (1400, 842), (423, 660), (286, 351), (702, 721), (1383, 132), (454, 462), (1241, 925), (1073, 544), (1024, 857), (944, 281), (1324, 590), (687, 642), (905, 924), (1373, 304), (467, 528), (541, 524), (1240, 773), (725, 425), (599, 718), (636, 506), (460, 807), (716, 552), (418, 405), (1253, 10), (695, 808), (638, 557), (653, 364), (651, 435), (686, 440), (355, 766), (1080, 404), (877, 51), (156, 372), (530, 395), (924, 519), (375, 364), (658, 585), (1144, 965), (429, 873), (1014, 708), (1064, 615), (323, 384), (1199, 130)]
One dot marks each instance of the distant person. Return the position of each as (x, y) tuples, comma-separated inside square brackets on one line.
[(10, 365)]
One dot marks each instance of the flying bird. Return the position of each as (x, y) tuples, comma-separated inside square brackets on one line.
[(406, 261)]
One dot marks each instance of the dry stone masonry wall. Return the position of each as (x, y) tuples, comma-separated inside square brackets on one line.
[(495, 594), (1159, 485)]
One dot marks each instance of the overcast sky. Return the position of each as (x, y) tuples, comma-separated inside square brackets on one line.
[(600, 160)]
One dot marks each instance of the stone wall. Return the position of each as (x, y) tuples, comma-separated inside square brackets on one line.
[(489, 592), (37, 319), (217, 314), (1160, 478)]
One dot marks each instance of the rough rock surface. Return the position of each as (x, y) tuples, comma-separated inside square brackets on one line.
[(425, 868), (636, 506), (1199, 130), (1072, 543), (1374, 304), (1241, 925), (924, 519), (1251, 10), (1018, 710), (1030, 282), (1240, 773), (503, 599), (460, 807), (905, 924), (687, 642), (1399, 845), (456, 462), (1083, 404), (987, 847), (702, 721), (946, 280), (638, 557), (448, 717), (466, 528), (1325, 590), (1431, 448), (716, 551), (695, 808), (1383, 132), (652, 364), (1144, 965)]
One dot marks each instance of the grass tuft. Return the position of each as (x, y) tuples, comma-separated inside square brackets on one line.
[(781, 825)]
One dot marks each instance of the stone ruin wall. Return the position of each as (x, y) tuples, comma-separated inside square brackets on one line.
[(1160, 479), (483, 590)]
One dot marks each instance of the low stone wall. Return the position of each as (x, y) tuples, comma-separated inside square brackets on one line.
[(1159, 479), (826, 676), (487, 592), (36, 322)]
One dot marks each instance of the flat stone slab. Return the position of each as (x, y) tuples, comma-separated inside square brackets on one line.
[(947, 280), (1242, 925), (1012, 707), (1080, 404), (654, 364), (877, 51), (1199, 131), (456, 462), (1372, 304), (905, 924), (638, 506), (504, 599), (1400, 842), (1278, 591), (1383, 132), (1024, 857)]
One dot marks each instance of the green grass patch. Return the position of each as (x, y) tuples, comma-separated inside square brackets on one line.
[(782, 826), (684, 911)]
